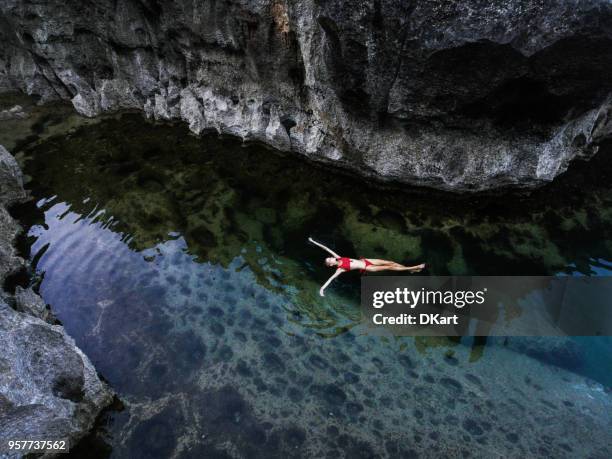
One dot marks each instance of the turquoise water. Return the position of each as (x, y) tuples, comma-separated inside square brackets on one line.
[(181, 268)]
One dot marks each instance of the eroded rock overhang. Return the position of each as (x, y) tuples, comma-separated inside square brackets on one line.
[(456, 95)]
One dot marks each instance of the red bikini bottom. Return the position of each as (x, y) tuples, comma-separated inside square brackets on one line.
[(367, 263)]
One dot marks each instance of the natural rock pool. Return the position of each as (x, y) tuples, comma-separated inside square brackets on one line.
[(181, 268)]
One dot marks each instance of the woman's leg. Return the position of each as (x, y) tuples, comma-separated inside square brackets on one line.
[(400, 266), (414, 269), (376, 268), (394, 267), (379, 262)]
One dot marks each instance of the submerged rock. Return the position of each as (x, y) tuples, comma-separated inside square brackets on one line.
[(558, 351), (14, 113), (457, 95), (48, 388)]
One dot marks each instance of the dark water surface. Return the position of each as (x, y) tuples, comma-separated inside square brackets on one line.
[(181, 268)]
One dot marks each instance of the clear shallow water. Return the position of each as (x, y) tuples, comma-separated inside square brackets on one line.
[(180, 266)]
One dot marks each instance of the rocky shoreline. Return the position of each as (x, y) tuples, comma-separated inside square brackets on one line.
[(48, 388), (456, 95)]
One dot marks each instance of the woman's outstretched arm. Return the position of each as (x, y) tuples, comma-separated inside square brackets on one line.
[(323, 247), (329, 281)]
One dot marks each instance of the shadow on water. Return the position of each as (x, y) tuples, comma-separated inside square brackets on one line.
[(180, 266)]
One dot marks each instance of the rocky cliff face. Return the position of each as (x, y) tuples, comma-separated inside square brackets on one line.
[(459, 94), (48, 387)]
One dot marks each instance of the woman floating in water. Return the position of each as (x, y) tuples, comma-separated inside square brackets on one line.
[(371, 265)]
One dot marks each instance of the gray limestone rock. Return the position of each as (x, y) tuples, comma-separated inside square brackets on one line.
[(461, 95), (11, 181), (11, 192), (29, 302), (49, 388)]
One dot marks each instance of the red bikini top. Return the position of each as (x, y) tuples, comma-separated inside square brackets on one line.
[(345, 263)]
